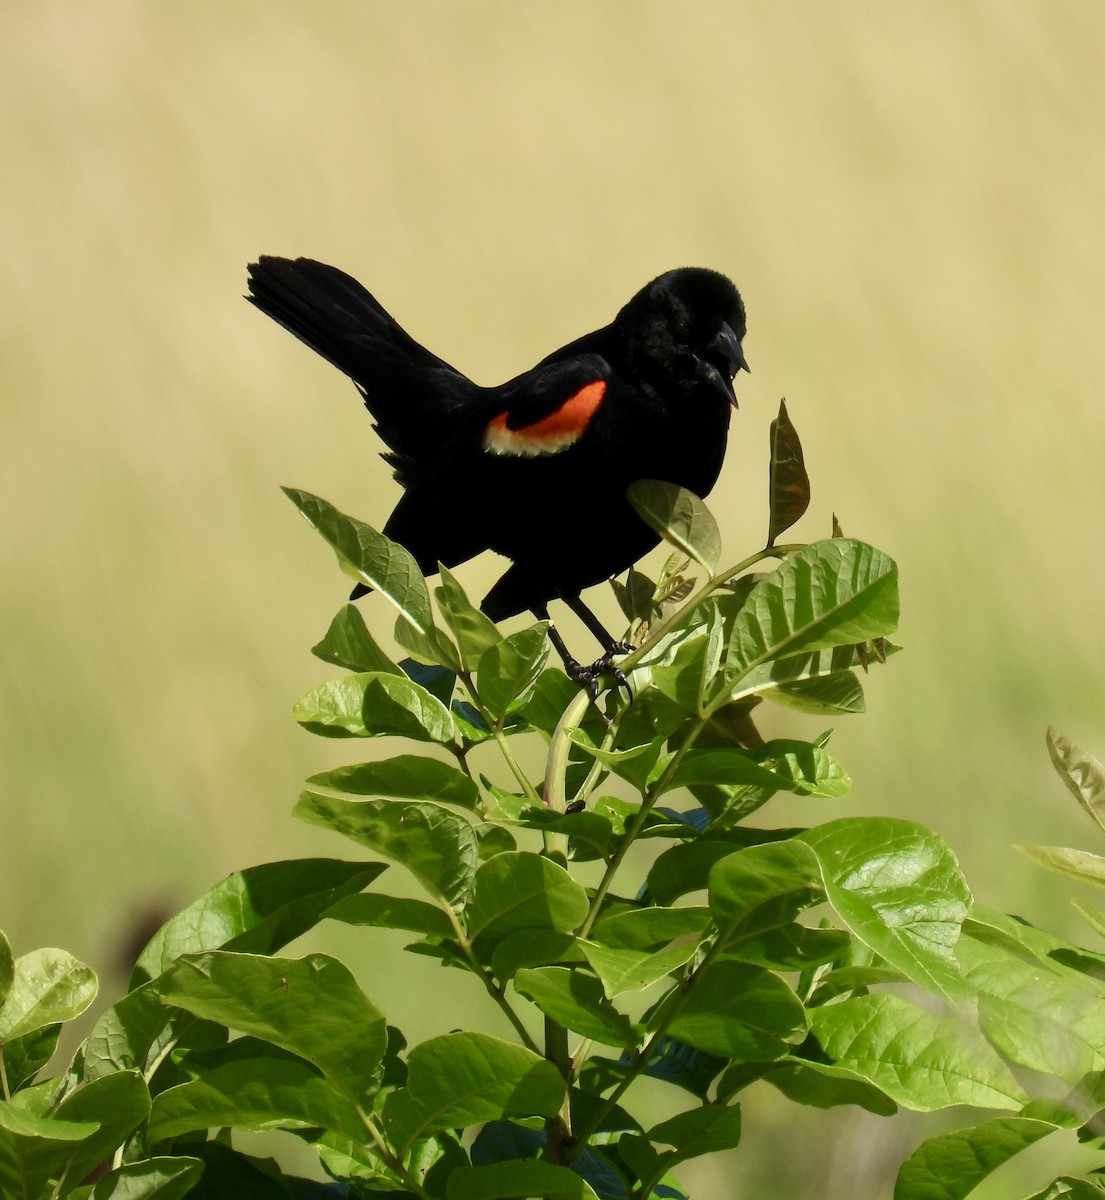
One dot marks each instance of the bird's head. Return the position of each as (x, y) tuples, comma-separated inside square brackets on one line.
[(684, 330)]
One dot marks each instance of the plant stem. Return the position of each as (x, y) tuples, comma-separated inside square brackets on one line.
[(390, 1160), (558, 1129), (711, 585), (500, 738), (555, 796), (648, 802), (497, 994)]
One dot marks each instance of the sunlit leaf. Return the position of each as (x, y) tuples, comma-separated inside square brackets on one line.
[(522, 890), (160, 1178), (1076, 864), (47, 986), (310, 1006), (435, 844), (406, 777), (575, 1000), (370, 558), (473, 630), (517, 1178), (508, 670), (1081, 772)]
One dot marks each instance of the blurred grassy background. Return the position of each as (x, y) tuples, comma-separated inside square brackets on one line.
[(911, 198)]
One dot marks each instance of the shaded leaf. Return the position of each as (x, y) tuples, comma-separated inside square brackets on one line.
[(789, 489), (951, 1165), (522, 890), (257, 910), (576, 1001), (254, 1094), (462, 1079), (679, 517), (508, 670), (392, 912), (517, 1178), (162, 1178), (349, 644), (706, 1130), (475, 632)]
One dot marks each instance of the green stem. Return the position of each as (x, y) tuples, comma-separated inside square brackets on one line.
[(555, 796), (558, 1129), (711, 585), (500, 738), (4, 1075), (644, 1057), (389, 1158), (633, 829), (497, 994)]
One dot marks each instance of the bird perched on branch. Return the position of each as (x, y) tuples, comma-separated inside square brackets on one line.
[(537, 468)]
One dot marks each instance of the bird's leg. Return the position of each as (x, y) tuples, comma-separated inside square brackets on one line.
[(586, 677), (612, 647)]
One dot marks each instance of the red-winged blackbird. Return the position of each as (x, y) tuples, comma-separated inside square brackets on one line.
[(535, 469)]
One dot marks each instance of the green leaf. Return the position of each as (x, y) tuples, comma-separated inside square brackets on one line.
[(1075, 864), (432, 647), (370, 558), (833, 593), (35, 1148), (1037, 1013), (740, 1012), (686, 868), (552, 694), (310, 1006), (521, 890), (163, 1178), (25, 1056), (951, 1165), (821, 1085), (437, 845), (7, 969), (406, 776), (634, 763), (836, 695), (462, 1079), (650, 928), (47, 986), (763, 888), (1083, 775), (475, 632), (375, 704), (898, 888), (349, 644), (576, 1001), (679, 517), (533, 948), (706, 1130), (257, 910), (517, 1178), (254, 1094), (1067, 1187), (789, 766), (508, 670), (622, 970), (118, 1104), (790, 485), (392, 912), (921, 1060)]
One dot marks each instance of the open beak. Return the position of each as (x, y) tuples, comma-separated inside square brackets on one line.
[(726, 349)]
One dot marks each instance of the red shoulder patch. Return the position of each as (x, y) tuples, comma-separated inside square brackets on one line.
[(551, 434)]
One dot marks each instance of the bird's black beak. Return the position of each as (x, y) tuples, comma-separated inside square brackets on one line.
[(727, 355)]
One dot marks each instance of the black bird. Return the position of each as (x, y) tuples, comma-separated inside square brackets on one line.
[(537, 468)]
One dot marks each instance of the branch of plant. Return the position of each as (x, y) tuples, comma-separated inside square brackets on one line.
[(633, 828), (558, 1129), (644, 1056), (393, 1164), (493, 990), (658, 632), (496, 728)]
